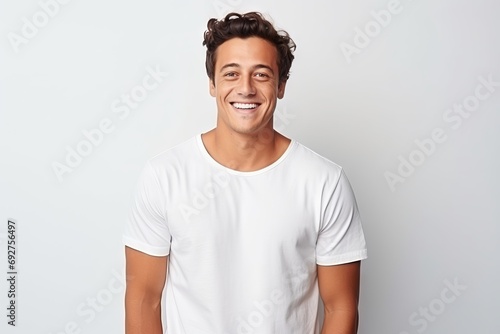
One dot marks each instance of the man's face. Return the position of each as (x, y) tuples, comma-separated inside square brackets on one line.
[(246, 84)]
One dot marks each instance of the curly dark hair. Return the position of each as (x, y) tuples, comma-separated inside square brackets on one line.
[(252, 24)]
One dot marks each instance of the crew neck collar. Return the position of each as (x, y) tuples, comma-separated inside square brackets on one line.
[(208, 157)]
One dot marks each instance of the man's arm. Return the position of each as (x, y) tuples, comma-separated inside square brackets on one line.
[(146, 277), (339, 290)]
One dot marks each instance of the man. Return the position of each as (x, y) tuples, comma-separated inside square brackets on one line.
[(253, 227)]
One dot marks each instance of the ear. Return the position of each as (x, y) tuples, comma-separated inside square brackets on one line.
[(211, 87), (281, 89)]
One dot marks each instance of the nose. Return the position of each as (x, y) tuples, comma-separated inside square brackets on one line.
[(246, 86)]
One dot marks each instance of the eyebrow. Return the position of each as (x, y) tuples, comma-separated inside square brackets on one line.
[(258, 66)]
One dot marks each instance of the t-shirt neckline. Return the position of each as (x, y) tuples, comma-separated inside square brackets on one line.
[(208, 157)]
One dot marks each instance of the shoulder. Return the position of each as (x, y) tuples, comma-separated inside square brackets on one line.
[(166, 166), (313, 162), (177, 155)]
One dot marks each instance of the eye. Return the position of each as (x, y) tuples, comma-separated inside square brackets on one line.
[(230, 74), (261, 75)]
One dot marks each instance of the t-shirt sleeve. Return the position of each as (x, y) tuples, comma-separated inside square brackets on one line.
[(341, 239), (146, 229)]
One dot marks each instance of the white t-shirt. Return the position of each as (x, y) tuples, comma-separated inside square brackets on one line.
[(243, 246)]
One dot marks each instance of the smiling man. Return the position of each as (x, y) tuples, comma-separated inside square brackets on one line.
[(247, 228)]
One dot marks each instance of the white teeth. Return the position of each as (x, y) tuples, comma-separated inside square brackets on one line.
[(245, 105)]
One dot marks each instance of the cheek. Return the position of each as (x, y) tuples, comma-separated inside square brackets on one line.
[(223, 89), (270, 90)]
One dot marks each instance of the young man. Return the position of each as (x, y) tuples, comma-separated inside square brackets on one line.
[(253, 227)]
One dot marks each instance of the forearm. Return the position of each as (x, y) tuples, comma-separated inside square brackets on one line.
[(340, 322), (142, 316)]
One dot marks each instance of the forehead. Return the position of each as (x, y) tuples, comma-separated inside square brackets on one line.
[(246, 51)]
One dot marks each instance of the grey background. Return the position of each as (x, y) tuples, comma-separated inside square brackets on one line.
[(439, 225)]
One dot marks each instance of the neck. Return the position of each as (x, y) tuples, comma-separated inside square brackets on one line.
[(245, 152)]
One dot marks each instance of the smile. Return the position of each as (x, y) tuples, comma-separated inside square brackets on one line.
[(244, 106)]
